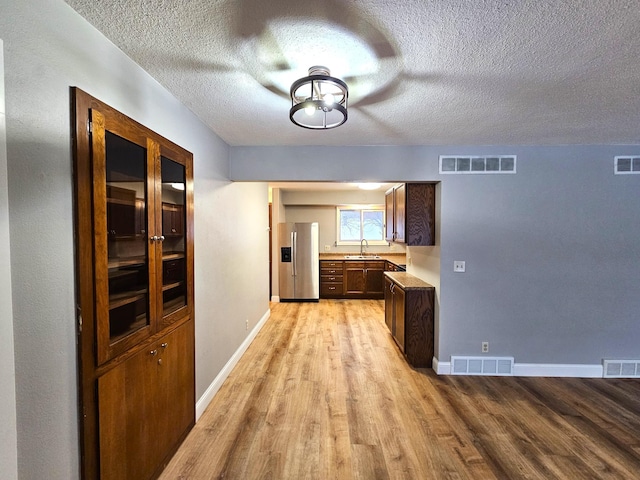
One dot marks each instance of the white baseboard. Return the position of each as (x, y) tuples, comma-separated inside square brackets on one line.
[(441, 368), (275, 298), (557, 370), (537, 370), (204, 401)]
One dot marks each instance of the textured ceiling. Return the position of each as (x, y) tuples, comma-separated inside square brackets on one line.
[(420, 72)]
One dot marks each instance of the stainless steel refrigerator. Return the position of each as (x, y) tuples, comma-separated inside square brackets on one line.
[(298, 262)]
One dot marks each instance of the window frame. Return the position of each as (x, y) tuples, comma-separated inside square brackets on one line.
[(362, 209)]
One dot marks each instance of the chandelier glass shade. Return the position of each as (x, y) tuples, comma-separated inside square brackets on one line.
[(319, 101)]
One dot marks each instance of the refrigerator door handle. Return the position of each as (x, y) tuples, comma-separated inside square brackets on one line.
[(294, 245)]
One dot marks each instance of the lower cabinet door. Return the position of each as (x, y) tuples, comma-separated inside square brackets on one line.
[(375, 279), (355, 278), (388, 304), (175, 379), (399, 310), (145, 407)]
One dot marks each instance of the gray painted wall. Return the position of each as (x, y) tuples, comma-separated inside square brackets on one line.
[(48, 48), (8, 432), (551, 252)]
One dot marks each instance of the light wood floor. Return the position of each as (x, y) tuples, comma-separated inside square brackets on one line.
[(323, 393)]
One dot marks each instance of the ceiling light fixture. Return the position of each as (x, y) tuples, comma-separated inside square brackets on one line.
[(319, 101), (369, 186)]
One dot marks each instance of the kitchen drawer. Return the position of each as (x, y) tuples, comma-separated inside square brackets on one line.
[(331, 263), (331, 267), (331, 278), (331, 289), (351, 265), (331, 271)]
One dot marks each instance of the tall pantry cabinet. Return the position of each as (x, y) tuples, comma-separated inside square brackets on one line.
[(134, 261)]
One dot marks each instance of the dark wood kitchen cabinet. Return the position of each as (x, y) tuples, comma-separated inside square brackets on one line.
[(331, 278), (410, 214), (409, 316), (375, 278), (364, 279), (135, 292), (351, 278), (355, 278)]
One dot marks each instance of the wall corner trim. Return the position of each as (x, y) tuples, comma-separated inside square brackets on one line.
[(206, 398), (441, 368)]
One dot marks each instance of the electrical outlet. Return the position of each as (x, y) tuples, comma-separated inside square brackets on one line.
[(459, 266), (327, 248), (246, 324), (485, 347)]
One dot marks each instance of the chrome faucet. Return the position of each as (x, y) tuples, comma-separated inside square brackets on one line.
[(362, 249)]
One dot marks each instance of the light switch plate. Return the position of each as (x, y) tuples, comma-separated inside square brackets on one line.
[(459, 266)]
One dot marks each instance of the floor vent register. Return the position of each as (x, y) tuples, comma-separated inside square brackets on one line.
[(501, 366), (621, 369)]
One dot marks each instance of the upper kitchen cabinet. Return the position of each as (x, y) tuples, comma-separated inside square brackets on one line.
[(411, 212)]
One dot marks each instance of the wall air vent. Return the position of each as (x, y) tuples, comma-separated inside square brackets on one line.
[(501, 366), (621, 369), (477, 164), (626, 165)]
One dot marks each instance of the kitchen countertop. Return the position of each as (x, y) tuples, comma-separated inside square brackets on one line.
[(407, 281), (397, 258)]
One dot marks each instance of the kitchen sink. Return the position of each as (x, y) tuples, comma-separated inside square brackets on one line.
[(361, 257)]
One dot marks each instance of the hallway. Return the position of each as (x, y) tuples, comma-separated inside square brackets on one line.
[(324, 393)]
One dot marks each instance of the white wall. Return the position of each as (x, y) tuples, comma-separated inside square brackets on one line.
[(48, 48), (277, 216), (8, 433)]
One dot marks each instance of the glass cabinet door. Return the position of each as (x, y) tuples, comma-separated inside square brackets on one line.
[(126, 175), (174, 233), (123, 300)]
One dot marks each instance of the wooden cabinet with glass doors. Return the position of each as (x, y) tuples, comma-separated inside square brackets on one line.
[(134, 224)]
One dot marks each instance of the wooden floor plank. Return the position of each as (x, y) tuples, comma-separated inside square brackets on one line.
[(323, 392)]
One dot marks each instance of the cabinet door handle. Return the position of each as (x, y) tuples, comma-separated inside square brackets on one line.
[(159, 361), (161, 238), (153, 352), (165, 345)]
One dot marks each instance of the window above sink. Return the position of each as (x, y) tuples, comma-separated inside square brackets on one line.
[(357, 222)]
